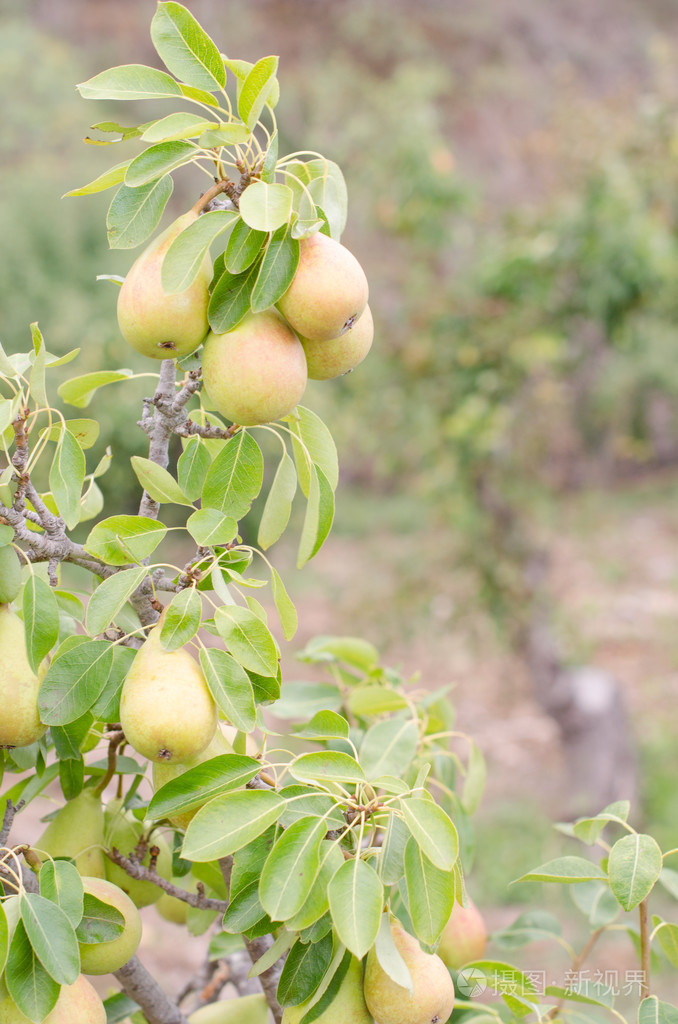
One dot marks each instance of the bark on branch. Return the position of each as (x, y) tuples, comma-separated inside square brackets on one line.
[(142, 987), (143, 874)]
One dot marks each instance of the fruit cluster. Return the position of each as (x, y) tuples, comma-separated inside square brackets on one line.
[(256, 372)]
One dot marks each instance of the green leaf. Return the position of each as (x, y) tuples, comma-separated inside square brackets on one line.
[(532, 926), (634, 865), (200, 784), (66, 477), (230, 300), (326, 766), (157, 482), (79, 391), (310, 429), (192, 467), (474, 780), (503, 977), (113, 176), (564, 869), (86, 432), (4, 938), (182, 619), (389, 956), (276, 512), (208, 527), (181, 125), (244, 245), (186, 49), (110, 597), (248, 639), (667, 936), (430, 894), (129, 82), (60, 882), (294, 859), (229, 822), (596, 901), (669, 880), (303, 970), (316, 904), (433, 831), (327, 188), (232, 133), (244, 909), (365, 701), (41, 619), (30, 986), (318, 518), (356, 898), (230, 687), (353, 650), (122, 539), (255, 90), (74, 681), (135, 213), (277, 268), (388, 747), (158, 160), (101, 922), (653, 1011), (235, 477), (285, 608), (51, 935), (328, 988), (266, 207), (184, 258)]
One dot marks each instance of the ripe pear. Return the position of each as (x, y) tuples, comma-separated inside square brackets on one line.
[(464, 937), (347, 1007), (10, 574), (104, 957), (256, 372), (328, 359), (77, 832), (252, 1009), (123, 831), (78, 1003), (432, 996), (155, 323), (163, 772), (328, 292), (166, 709), (20, 723)]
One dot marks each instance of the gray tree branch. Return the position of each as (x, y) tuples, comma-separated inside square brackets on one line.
[(142, 987)]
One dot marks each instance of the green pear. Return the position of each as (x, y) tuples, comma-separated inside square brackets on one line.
[(464, 937), (155, 323), (163, 772), (170, 908), (329, 290), (105, 957), (77, 832), (20, 723), (10, 574), (347, 1007), (256, 372), (432, 998), (252, 1009), (78, 1003), (122, 832), (328, 359), (166, 709)]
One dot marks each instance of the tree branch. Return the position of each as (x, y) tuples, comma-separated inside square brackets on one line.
[(143, 874), (142, 987)]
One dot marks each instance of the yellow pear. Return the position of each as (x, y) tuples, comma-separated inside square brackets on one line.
[(328, 359), (77, 832), (464, 937), (122, 832), (329, 290), (10, 574), (163, 772), (155, 323), (249, 1009), (170, 908), (78, 1003), (347, 1007), (256, 372), (166, 709), (432, 998), (104, 957), (20, 723)]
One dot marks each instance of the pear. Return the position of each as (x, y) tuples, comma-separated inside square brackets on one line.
[(256, 372), (432, 998), (163, 772), (170, 908), (20, 723), (347, 1007), (123, 831), (166, 709), (78, 1003), (253, 1009), (328, 359), (104, 957), (464, 937), (155, 323), (77, 832), (10, 574), (328, 292)]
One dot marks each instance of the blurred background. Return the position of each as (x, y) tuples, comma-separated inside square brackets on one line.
[(506, 516)]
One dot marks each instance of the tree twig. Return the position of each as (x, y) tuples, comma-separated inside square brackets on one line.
[(143, 874), (142, 987)]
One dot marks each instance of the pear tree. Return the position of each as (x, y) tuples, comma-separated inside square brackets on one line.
[(321, 859)]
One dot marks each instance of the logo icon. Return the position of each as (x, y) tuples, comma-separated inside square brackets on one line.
[(471, 982)]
